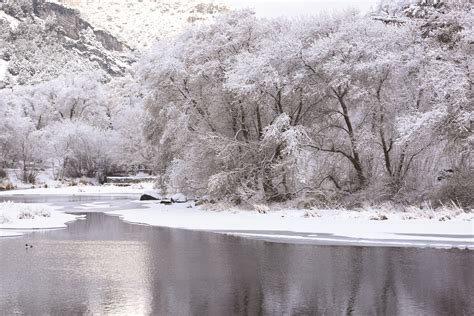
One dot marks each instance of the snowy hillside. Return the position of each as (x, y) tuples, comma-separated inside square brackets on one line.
[(41, 41), (420, 8), (139, 23)]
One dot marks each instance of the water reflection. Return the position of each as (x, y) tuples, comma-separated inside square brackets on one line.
[(102, 265)]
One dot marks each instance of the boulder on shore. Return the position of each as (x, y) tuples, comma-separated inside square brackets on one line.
[(146, 197), (150, 196)]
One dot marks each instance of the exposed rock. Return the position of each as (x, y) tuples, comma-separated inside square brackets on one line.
[(109, 41), (146, 197), (139, 23), (72, 24), (79, 35)]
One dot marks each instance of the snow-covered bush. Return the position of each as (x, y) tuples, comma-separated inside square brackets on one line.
[(10, 211), (458, 188), (261, 208)]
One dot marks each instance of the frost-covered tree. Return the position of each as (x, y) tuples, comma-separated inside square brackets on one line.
[(20, 142), (80, 149), (213, 135), (248, 109), (252, 109), (65, 123)]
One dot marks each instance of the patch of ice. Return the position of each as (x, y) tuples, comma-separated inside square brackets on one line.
[(463, 243), (94, 206)]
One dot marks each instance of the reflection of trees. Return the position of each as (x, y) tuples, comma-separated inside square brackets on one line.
[(355, 276), (213, 274), (442, 281), (201, 273), (168, 271)]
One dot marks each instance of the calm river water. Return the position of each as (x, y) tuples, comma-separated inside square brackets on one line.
[(102, 265)]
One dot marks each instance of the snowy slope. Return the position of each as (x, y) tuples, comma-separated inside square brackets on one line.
[(51, 40), (140, 23), (3, 69), (13, 23), (419, 8)]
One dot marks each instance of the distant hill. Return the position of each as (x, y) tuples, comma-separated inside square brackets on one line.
[(140, 22), (40, 41), (420, 8)]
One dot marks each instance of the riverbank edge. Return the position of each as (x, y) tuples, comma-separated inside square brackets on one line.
[(452, 228), (294, 226)]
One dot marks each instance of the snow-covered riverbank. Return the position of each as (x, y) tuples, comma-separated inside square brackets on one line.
[(329, 226), (447, 227), (84, 190), (18, 217)]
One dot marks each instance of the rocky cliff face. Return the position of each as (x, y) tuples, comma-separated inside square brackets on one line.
[(139, 23), (73, 24), (40, 40)]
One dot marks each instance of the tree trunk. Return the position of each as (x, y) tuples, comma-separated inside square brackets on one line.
[(356, 161)]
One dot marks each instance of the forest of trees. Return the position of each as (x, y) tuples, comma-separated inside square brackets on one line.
[(330, 110)]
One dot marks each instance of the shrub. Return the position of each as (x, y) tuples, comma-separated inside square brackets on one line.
[(29, 175), (458, 188), (261, 208)]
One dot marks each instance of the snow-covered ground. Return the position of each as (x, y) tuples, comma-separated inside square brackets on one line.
[(10, 233), (448, 229), (3, 68), (18, 217), (46, 185), (11, 20), (138, 189)]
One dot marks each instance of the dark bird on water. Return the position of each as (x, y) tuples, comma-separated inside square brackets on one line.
[(28, 246)]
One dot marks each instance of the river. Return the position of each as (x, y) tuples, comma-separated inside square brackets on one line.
[(102, 265)]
